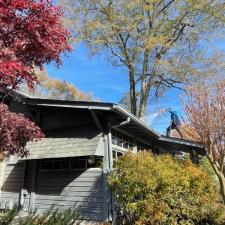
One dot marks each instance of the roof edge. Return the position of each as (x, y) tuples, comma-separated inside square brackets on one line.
[(123, 111), (181, 141)]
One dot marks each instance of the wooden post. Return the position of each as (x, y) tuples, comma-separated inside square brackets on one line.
[(2, 165), (22, 191), (33, 185), (105, 185)]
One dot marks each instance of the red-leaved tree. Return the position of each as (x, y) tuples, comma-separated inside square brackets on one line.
[(31, 35), (13, 136)]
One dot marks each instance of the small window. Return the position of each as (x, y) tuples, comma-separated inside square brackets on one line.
[(122, 140), (78, 163), (125, 142), (60, 164), (75, 163), (131, 143), (114, 154), (117, 154), (143, 146)]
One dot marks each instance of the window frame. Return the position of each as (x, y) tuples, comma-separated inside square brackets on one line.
[(128, 138), (68, 166)]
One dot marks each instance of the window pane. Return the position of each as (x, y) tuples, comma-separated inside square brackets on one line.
[(131, 146), (119, 154), (126, 145), (114, 140), (125, 141), (78, 163), (119, 142), (114, 154), (60, 164)]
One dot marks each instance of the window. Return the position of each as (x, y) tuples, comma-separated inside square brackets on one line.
[(56, 164), (117, 154), (143, 146), (59, 164), (74, 163), (122, 140), (78, 163)]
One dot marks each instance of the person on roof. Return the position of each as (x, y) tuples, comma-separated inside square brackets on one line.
[(175, 122)]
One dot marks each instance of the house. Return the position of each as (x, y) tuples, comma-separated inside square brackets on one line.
[(70, 165)]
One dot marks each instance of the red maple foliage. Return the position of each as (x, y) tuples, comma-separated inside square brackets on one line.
[(31, 35), (14, 135)]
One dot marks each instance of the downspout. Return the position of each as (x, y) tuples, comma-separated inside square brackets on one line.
[(122, 123)]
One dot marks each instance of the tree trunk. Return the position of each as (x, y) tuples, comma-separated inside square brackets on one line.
[(220, 176), (143, 104), (133, 101), (144, 89), (222, 185)]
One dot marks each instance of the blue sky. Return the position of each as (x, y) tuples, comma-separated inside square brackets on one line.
[(108, 83)]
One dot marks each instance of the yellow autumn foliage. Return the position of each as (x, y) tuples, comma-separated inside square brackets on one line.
[(150, 189)]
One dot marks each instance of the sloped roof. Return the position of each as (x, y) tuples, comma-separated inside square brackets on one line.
[(137, 126), (181, 144)]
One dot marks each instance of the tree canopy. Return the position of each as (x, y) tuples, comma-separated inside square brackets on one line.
[(48, 87), (31, 35), (157, 41), (205, 109), (14, 135)]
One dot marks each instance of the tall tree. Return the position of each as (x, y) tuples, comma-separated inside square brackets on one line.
[(51, 88), (205, 109), (155, 40), (31, 35)]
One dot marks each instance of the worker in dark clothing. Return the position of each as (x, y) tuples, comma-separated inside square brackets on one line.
[(175, 122)]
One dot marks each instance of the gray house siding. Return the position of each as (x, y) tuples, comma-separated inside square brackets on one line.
[(19, 107), (12, 184), (82, 189)]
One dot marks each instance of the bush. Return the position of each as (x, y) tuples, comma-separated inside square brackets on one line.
[(152, 190), (50, 217), (9, 215)]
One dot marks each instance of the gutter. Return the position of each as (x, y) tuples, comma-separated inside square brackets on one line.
[(181, 141), (122, 111)]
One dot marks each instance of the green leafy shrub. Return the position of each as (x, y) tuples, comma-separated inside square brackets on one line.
[(155, 190), (50, 217), (9, 215), (206, 166)]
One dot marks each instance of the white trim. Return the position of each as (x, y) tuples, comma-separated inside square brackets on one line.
[(73, 106), (118, 148)]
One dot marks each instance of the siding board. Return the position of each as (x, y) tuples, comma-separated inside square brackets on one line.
[(82, 189), (12, 184)]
